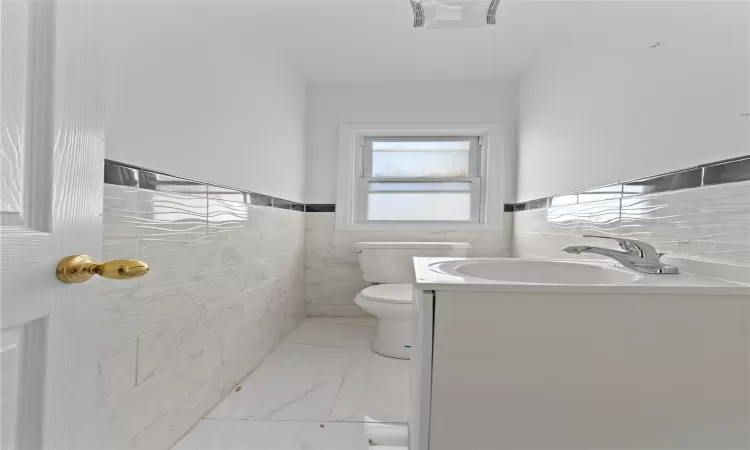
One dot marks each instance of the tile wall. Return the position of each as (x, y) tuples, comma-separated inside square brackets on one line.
[(701, 213), (226, 285), (332, 275), (234, 272)]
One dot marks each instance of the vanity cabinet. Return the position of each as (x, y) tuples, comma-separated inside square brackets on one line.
[(580, 371)]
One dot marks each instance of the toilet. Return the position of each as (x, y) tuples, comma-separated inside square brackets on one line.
[(390, 266)]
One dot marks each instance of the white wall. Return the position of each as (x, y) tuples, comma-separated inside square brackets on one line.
[(391, 103), (194, 89), (606, 107)]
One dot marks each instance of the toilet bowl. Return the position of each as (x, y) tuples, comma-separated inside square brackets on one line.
[(392, 305), (390, 264)]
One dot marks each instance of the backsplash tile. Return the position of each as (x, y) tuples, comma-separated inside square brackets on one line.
[(610, 192), (602, 217), (711, 223), (721, 172), (227, 194), (562, 200), (700, 212), (542, 233), (226, 284)]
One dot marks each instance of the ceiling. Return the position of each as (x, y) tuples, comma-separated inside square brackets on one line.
[(372, 40)]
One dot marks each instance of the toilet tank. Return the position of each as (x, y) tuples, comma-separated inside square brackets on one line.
[(391, 262)]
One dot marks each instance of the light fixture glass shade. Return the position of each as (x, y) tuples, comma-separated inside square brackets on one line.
[(454, 13)]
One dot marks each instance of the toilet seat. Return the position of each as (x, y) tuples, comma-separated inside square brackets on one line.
[(388, 293)]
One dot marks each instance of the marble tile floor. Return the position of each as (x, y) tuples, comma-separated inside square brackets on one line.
[(322, 388)]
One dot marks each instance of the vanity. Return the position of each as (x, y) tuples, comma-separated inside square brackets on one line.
[(524, 354)]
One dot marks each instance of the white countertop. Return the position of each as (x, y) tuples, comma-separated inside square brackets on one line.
[(683, 283)]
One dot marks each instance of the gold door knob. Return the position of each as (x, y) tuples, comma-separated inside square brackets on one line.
[(80, 268)]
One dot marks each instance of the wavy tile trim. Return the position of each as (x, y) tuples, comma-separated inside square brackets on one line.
[(123, 174), (711, 174)]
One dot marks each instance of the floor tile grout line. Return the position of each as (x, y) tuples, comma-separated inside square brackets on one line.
[(325, 346), (341, 386), (324, 320), (301, 421)]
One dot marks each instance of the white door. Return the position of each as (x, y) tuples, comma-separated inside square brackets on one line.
[(51, 158)]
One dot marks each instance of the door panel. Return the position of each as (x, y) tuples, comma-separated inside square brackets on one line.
[(26, 244), (51, 161), (9, 365), (14, 50)]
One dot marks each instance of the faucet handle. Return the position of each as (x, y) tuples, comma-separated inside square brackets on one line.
[(634, 247)]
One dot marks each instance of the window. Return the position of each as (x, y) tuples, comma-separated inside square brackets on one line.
[(420, 179)]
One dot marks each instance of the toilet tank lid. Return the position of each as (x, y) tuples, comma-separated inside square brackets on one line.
[(437, 245)]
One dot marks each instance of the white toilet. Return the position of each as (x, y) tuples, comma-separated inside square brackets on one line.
[(390, 264)]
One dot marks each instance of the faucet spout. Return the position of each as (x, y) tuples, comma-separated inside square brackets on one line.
[(576, 249), (636, 255)]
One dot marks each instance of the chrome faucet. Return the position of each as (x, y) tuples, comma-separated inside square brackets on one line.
[(636, 255)]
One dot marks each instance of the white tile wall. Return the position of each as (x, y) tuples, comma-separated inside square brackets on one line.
[(226, 285), (710, 223), (332, 274)]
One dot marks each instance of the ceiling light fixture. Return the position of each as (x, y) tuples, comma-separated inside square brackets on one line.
[(454, 13)]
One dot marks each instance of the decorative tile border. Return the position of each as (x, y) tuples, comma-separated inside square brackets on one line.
[(727, 172), (720, 172), (122, 174), (320, 208)]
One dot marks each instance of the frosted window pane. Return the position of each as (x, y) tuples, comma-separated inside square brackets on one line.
[(391, 186), (421, 158), (424, 206), (421, 145)]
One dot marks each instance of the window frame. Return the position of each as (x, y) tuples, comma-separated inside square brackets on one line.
[(487, 159), (474, 177)]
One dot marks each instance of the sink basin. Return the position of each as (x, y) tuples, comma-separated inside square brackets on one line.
[(528, 271)]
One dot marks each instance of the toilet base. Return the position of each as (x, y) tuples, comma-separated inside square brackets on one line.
[(393, 338)]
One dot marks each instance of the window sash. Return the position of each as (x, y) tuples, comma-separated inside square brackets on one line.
[(475, 191), (365, 178), (367, 152)]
